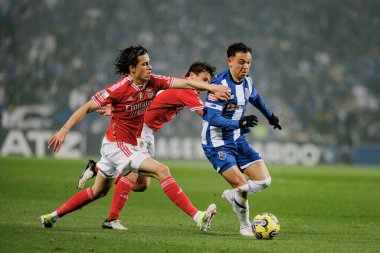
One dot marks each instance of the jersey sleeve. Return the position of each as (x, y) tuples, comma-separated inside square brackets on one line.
[(214, 109), (261, 106), (191, 99), (257, 102), (109, 94), (162, 82), (101, 98)]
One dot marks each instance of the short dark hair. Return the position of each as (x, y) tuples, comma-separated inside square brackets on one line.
[(128, 57), (237, 48), (201, 66)]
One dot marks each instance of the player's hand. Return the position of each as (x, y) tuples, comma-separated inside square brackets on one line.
[(221, 92), (105, 110), (274, 121), (57, 140), (248, 121)]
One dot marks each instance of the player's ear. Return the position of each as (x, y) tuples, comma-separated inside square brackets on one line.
[(192, 75), (132, 69), (229, 61)]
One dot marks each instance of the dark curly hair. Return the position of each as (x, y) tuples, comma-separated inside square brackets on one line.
[(236, 48), (128, 57), (200, 66)]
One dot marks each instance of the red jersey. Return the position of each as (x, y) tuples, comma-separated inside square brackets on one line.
[(129, 103), (168, 104)]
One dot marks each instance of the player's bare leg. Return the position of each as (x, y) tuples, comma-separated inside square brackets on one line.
[(153, 168), (259, 177), (142, 183)]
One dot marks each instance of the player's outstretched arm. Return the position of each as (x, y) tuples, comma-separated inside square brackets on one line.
[(59, 138), (221, 92)]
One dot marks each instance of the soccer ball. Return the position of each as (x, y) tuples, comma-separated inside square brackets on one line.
[(265, 226)]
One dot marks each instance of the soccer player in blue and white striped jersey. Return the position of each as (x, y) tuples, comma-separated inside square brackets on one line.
[(225, 122)]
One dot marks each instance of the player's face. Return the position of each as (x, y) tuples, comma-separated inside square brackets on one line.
[(141, 73), (239, 65), (202, 76)]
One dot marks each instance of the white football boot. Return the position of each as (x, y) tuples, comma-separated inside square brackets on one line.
[(87, 173), (205, 218), (246, 231), (113, 224)]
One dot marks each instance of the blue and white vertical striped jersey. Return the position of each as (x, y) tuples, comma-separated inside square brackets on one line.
[(220, 125)]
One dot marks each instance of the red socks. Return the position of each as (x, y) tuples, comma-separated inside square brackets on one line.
[(120, 197), (177, 196), (77, 201)]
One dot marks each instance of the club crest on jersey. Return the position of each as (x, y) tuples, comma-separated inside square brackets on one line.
[(149, 92), (140, 95), (230, 107), (222, 155)]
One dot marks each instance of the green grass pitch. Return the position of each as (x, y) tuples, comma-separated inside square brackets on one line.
[(321, 209)]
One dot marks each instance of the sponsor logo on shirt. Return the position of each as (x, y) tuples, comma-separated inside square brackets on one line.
[(232, 107), (138, 108)]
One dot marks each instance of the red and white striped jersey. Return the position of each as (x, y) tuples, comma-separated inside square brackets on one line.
[(129, 103), (168, 104)]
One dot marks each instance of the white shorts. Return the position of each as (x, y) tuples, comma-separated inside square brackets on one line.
[(120, 157), (147, 135)]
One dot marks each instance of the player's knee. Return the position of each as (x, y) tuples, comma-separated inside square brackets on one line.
[(140, 187), (162, 171), (100, 193), (257, 186), (266, 182)]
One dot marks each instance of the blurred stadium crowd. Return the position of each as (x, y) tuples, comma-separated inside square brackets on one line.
[(316, 63)]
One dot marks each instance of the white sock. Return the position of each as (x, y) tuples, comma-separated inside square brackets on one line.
[(242, 208), (54, 215), (243, 188), (258, 186), (196, 216)]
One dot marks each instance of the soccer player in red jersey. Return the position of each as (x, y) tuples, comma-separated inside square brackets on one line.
[(130, 98), (165, 107)]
